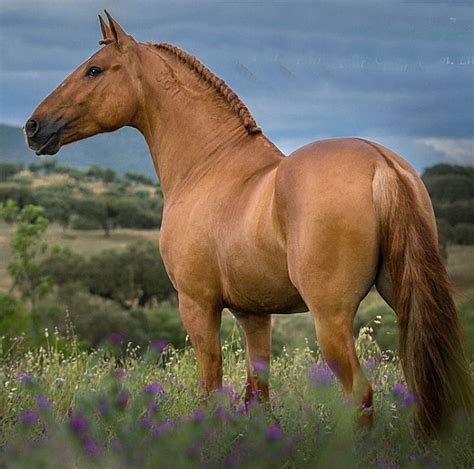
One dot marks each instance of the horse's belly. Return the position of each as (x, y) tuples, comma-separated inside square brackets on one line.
[(254, 286)]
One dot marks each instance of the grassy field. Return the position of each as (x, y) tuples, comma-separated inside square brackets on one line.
[(80, 410)]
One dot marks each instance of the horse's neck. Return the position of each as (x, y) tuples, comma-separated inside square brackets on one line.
[(192, 132)]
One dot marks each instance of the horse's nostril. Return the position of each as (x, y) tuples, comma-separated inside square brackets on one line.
[(31, 128)]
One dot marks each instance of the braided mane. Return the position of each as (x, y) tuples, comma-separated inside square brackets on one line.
[(217, 83)]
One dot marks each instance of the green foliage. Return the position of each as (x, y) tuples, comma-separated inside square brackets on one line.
[(8, 169), (134, 276), (20, 194), (57, 202), (26, 250), (104, 174), (138, 178), (464, 233), (452, 192), (97, 410), (444, 169), (14, 320), (45, 166)]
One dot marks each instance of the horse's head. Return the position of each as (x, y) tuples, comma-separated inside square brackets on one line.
[(101, 95)]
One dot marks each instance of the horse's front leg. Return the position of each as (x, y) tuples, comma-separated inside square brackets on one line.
[(203, 323), (257, 331)]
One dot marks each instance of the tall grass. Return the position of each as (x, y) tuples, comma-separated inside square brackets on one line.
[(111, 409)]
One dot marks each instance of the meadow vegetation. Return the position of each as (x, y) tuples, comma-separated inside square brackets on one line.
[(96, 366)]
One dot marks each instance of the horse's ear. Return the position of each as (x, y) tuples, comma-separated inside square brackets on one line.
[(118, 34), (107, 37)]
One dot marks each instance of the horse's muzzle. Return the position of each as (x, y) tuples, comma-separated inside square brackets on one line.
[(42, 137)]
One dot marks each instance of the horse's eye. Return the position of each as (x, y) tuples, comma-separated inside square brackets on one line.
[(93, 72)]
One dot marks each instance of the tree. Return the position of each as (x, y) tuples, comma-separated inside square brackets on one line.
[(133, 277), (96, 211), (8, 169), (57, 203), (26, 249), (138, 178)]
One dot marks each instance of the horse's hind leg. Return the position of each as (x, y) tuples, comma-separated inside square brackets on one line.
[(257, 330), (332, 281), (333, 324)]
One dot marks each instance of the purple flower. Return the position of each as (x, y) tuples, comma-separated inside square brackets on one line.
[(274, 432), (162, 428), (260, 366), (78, 423), (122, 399), (146, 422), (152, 406), (42, 402), (399, 389), (370, 364), (25, 378), (198, 415), (90, 446), (321, 375), (116, 338), (29, 417), (242, 410), (159, 345), (154, 388), (409, 399), (119, 373), (220, 413), (104, 408)]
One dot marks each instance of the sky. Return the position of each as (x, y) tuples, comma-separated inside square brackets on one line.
[(399, 73)]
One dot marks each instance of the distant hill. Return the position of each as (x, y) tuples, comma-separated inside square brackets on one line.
[(122, 151)]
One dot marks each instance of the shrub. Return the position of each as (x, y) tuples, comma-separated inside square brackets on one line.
[(13, 319), (131, 277), (20, 194), (463, 233), (8, 169)]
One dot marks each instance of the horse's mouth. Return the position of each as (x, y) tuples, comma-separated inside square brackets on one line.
[(51, 146)]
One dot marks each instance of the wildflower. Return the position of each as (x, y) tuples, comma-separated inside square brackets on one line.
[(198, 415), (122, 399), (146, 422), (370, 364), (242, 410), (104, 408), (162, 428), (409, 399), (321, 375), (29, 417), (152, 406), (119, 373), (220, 413), (42, 402), (399, 389), (154, 388), (90, 446), (78, 423), (116, 338), (274, 432), (159, 345), (260, 365), (25, 378)]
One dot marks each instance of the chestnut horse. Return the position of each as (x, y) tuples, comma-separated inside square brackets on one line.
[(248, 229)]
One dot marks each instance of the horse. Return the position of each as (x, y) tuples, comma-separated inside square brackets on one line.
[(252, 230)]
